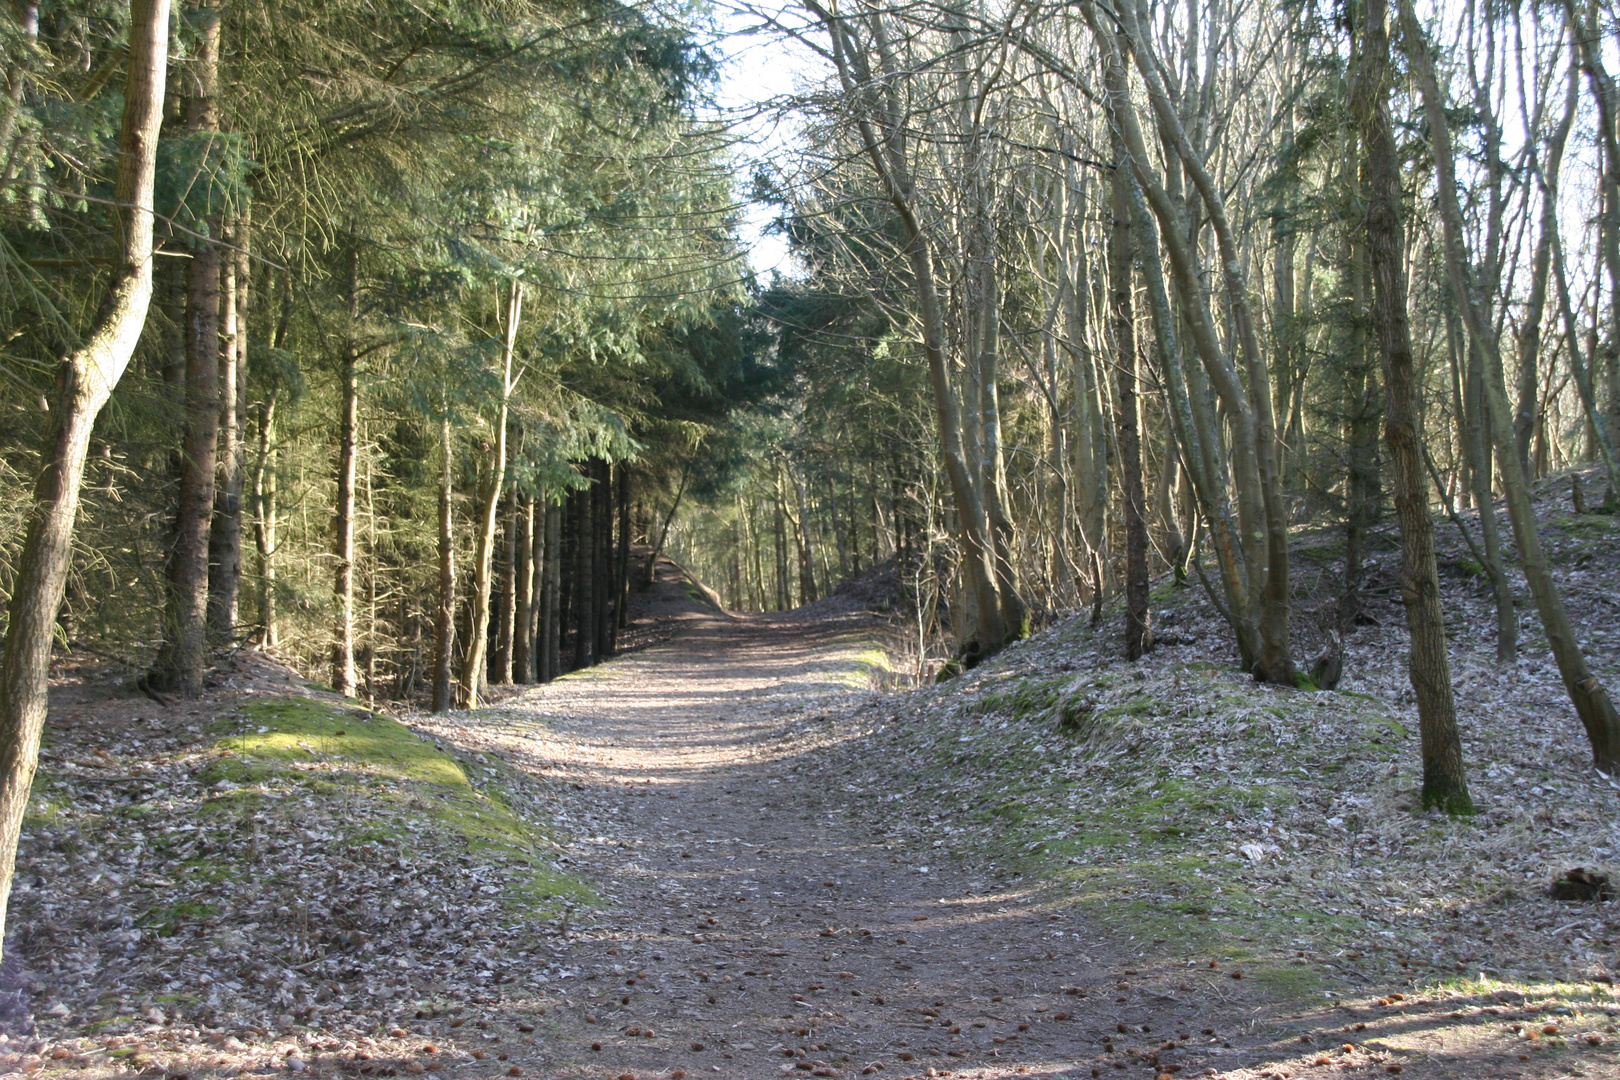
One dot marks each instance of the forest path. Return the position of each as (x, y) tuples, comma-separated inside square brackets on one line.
[(756, 922)]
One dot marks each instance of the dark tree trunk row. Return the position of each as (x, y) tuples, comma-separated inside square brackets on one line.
[(563, 575)]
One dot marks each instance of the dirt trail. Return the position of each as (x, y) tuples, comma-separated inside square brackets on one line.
[(756, 923)]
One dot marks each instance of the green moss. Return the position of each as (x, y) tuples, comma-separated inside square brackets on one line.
[(1026, 698), (303, 730), (167, 919), (1322, 553), (1586, 526), (380, 774), (43, 808)]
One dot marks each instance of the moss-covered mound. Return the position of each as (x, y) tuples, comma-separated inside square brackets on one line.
[(292, 861)]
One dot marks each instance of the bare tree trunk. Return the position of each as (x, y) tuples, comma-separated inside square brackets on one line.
[(343, 673), (523, 616), (1246, 548), (1274, 662), (183, 657), (265, 483), (500, 673), (1444, 783), (782, 600), (472, 663), (550, 608), (1589, 40), (807, 570), (568, 559), (17, 78), (1193, 420), (537, 600), (621, 563), (840, 532), (888, 157), (1127, 410), (584, 580), (1597, 426), (225, 536), (992, 468), (1590, 698), (602, 561), (1477, 426), (84, 382), (1362, 496), (1600, 430), (444, 612)]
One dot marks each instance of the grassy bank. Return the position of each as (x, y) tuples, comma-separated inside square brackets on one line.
[(290, 862)]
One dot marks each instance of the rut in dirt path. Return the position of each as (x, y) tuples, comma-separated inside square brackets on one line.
[(756, 922)]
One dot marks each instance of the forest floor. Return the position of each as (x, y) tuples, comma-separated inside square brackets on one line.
[(727, 854)]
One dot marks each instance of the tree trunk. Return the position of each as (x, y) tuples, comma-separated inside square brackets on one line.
[(584, 578), (1246, 547), (472, 663), (1591, 700), (840, 533), (444, 611), (1127, 411), (782, 602), (523, 616), (84, 382), (1193, 422), (500, 673), (1444, 783), (1477, 426), (1274, 663), (550, 608), (225, 536), (538, 552), (343, 673), (621, 563), (1362, 496), (1600, 431), (183, 657), (888, 158), (663, 531), (265, 482), (807, 570), (1590, 41), (1014, 616), (602, 559)]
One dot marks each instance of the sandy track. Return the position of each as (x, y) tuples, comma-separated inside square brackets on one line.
[(754, 912)]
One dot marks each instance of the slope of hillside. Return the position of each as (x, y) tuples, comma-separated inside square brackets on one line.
[(1220, 827)]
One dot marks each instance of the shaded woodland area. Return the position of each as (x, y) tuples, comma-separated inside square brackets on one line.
[(400, 341)]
